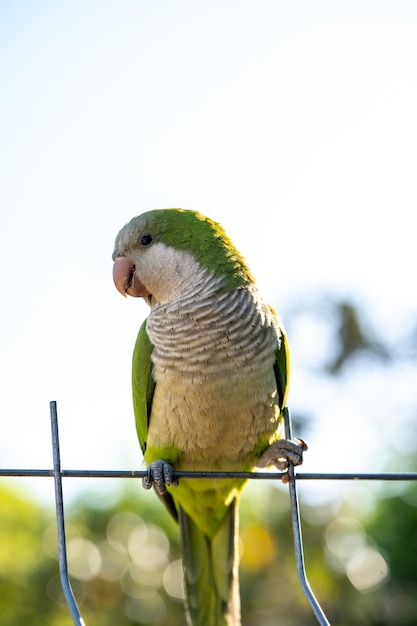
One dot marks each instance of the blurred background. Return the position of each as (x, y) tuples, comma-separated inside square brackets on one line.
[(294, 125)]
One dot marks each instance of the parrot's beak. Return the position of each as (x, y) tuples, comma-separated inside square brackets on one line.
[(126, 280)]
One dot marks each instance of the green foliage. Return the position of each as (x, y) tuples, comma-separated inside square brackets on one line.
[(393, 527), (352, 337), (25, 569), (124, 562)]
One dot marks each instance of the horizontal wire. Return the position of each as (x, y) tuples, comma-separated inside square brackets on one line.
[(49, 473)]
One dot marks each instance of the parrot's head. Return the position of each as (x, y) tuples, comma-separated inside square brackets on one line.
[(160, 253)]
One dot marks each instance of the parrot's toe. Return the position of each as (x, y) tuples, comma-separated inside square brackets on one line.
[(159, 475), (283, 452)]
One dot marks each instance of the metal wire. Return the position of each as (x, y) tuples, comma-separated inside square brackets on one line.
[(60, 522), (296, 529), (47, 473), (57, 473)]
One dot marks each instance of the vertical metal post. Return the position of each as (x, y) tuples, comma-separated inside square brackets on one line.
[(59, 505), (298, 541)]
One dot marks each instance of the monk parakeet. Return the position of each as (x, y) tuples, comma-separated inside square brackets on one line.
[(210, 381)]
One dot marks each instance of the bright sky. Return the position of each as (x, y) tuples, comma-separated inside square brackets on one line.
[(293, 124)]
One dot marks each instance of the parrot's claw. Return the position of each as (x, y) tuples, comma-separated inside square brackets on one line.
[(282, 452), (159, 475)]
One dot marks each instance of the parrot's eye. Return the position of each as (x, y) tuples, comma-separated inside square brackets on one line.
[(146, 240)]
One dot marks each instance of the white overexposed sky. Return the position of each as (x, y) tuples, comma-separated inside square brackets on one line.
[(292, 123)]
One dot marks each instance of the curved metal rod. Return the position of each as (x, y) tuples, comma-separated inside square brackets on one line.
[(59, 504), (298, 541)]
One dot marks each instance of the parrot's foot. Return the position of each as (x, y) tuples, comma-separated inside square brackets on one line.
[(159, 474), (282, 452)]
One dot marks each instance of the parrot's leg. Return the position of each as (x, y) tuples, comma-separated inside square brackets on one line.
[(282, 452), (159, 474)]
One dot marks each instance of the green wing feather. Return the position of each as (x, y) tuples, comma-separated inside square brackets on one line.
[(143, 384), (282, 367), (143, 387)]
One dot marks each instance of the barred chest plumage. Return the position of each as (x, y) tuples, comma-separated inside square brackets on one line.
[(211, 334)]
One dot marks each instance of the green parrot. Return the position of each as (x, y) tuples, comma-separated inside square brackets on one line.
[(210, 381)]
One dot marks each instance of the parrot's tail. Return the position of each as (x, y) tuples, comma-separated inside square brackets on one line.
[(211, 571)]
